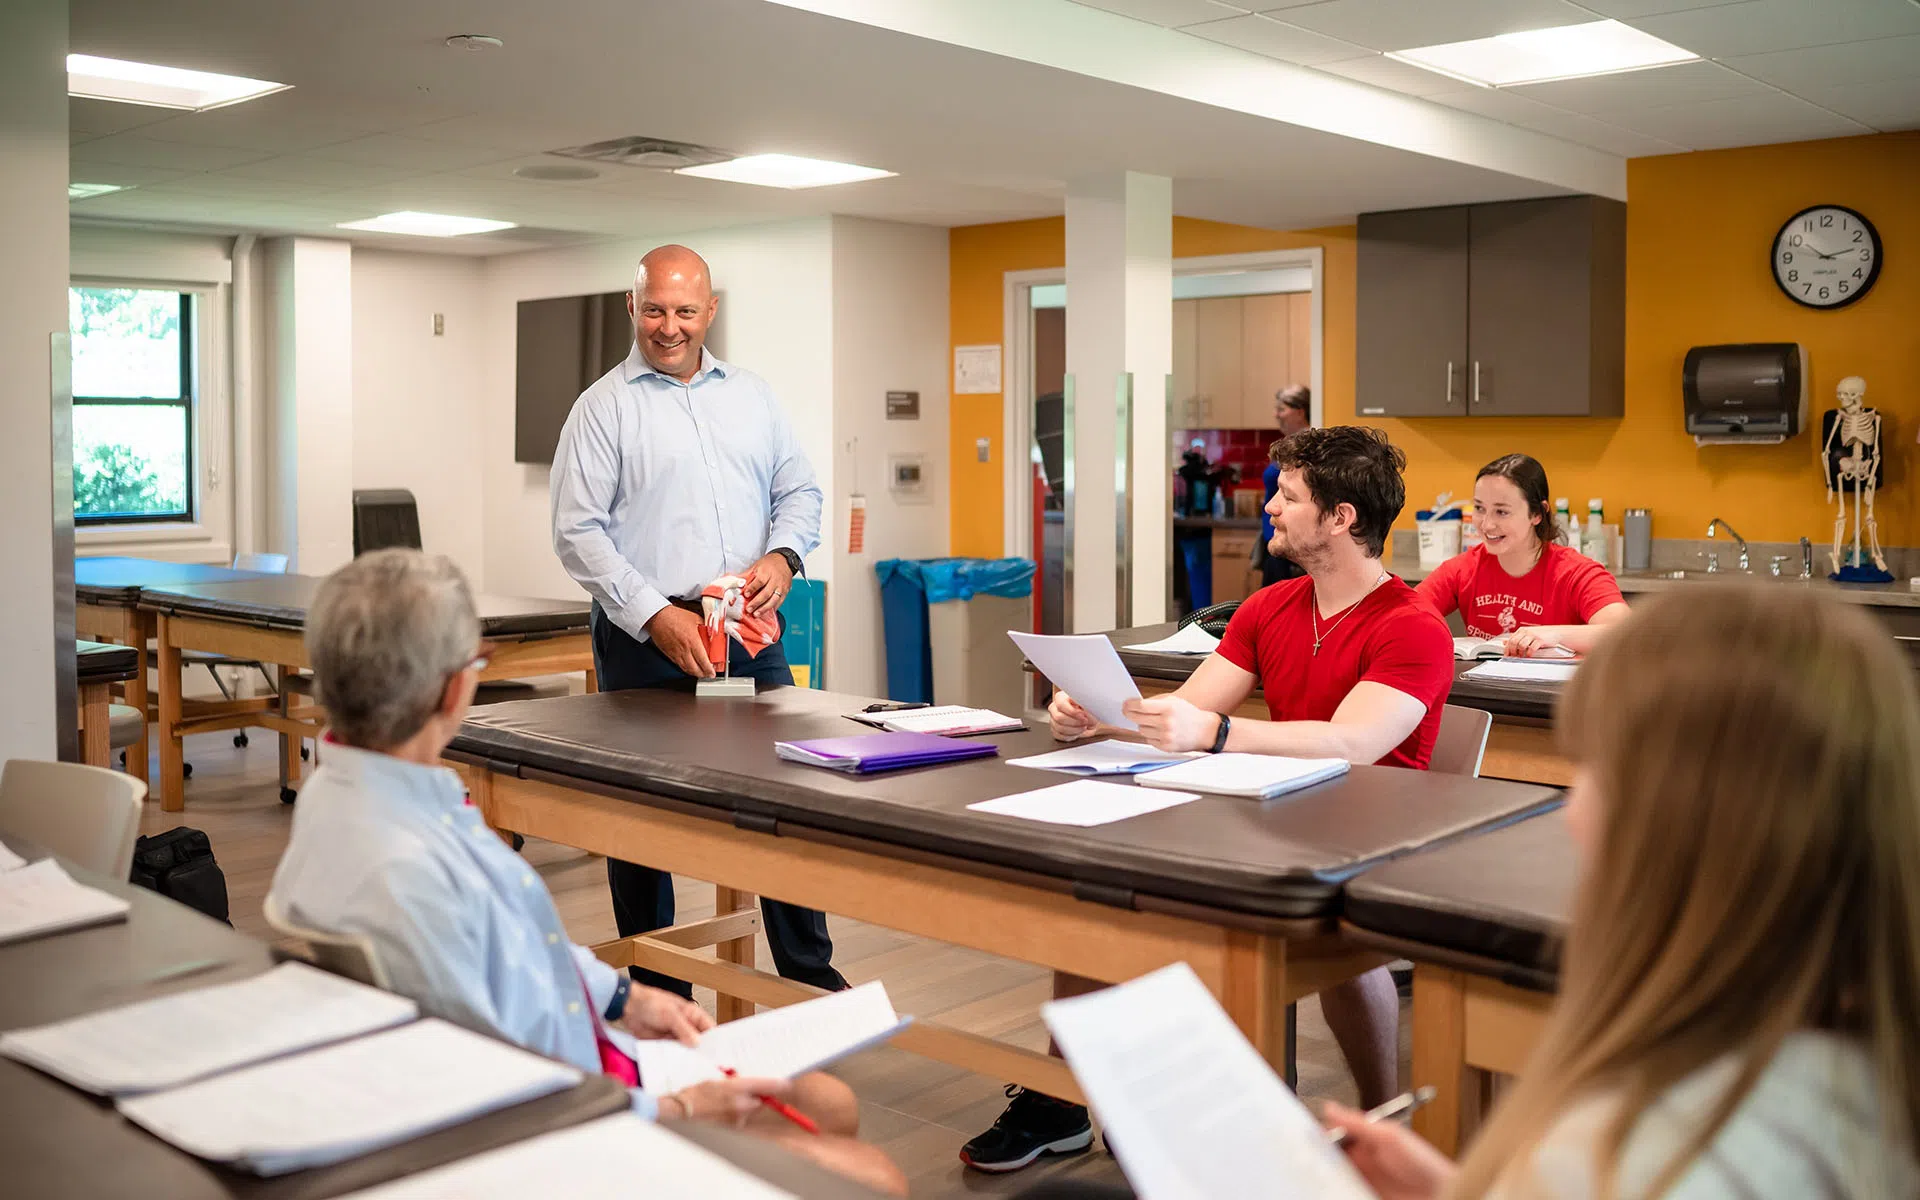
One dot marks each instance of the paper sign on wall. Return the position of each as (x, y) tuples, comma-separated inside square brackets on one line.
[(976, 370)]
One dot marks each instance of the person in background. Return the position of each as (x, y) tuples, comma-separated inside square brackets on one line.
[(1353, 666), (1739, 1001), (1292, 412), (1521, 584), (386, 846)]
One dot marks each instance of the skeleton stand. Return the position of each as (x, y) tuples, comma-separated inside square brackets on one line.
[(1858, 432)]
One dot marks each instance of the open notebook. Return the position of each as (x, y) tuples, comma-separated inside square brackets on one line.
[(1467, 649), (1261, 776), (779, 1043), (1522, 670), (42, 898), (1109, 757), (944, 720), (171, 1040)]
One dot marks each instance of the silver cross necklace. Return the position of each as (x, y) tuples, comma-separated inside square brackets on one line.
[(1319, 637)]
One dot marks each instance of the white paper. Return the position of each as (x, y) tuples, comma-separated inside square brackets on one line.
[(1110, 757), (1521, 670), (1084, 666), (1190, 640), (343, 1101), (1084, 802), (171, 1040), (42, 898), (1190, 1108), (615, 1156), (949, 720), (1257, 775), (1467, 649), (976, 370), (778, 1043), (9, 860)]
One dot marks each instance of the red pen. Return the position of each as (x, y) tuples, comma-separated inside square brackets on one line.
[(782, 1107)]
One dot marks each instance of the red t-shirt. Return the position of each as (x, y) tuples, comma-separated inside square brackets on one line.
[(1564, 588), (1390, 637)]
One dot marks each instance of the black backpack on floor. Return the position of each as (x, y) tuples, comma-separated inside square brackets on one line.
[(179, 865)]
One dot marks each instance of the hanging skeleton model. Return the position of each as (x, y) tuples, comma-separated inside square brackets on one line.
[(1851, 462)]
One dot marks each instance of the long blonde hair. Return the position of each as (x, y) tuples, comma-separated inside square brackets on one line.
[(1754, 869)]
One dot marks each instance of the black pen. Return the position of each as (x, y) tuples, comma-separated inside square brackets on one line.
[(1400, 1106)]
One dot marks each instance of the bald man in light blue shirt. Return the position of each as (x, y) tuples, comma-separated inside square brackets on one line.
[(673, 469)]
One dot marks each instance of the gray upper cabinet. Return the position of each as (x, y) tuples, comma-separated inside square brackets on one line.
[(1536, 326)]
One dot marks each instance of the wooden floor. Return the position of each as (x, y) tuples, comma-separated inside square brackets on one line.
[(918, 1111)]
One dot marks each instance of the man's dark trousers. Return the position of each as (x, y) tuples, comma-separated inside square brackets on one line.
[(643, 896)]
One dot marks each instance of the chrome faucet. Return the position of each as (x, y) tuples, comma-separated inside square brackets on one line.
[(1733, 533), (1806, 559)]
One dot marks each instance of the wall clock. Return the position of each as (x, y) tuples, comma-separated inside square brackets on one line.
[(1826, 256)]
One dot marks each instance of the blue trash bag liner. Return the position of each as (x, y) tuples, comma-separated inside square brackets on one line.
[(944, 579)]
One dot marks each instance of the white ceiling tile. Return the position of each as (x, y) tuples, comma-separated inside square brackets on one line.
[(123, 176), (1170, 12), (1656, 87), (1818, 67), (1881, 103), (1589, 131), (322, 172), (1404, 24), (1763, 26), (393, 150), (233, 187), (1275, 39), (526, 135), (133, 150), (1628, 10), (98, 118), (1746, 121), (285, 122), (1502, 104), (1381, 71)]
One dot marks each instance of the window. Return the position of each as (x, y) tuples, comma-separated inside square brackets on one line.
[(133, 398)]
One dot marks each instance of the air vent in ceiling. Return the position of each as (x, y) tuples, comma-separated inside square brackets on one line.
[(655, 154)]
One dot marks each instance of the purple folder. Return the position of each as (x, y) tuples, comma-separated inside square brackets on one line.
[(863, 754)]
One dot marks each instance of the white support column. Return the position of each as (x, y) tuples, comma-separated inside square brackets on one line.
[(309, 387), (1119, 321)]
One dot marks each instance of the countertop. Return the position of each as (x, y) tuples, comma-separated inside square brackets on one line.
[(1897, 594), (1216, 523)]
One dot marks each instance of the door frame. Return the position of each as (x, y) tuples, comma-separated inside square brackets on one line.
[(1017, 378)]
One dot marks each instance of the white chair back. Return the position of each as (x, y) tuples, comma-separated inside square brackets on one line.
[(1462, 741), (89, 816), (266, 564), (348, 954)]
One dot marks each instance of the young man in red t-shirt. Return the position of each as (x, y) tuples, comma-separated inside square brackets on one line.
[(1353, 665)]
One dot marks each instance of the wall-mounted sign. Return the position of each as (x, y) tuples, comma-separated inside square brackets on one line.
[(976, 370), (903, 406)]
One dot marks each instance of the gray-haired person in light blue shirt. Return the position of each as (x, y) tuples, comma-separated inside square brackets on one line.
[(673, 469)]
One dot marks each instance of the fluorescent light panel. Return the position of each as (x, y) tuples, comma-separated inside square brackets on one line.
[(160, 87), (784, 171), (425, 224), (1539, 55), (80, 191)]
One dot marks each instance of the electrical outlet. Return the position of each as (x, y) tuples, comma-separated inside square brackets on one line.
[(439, 324)]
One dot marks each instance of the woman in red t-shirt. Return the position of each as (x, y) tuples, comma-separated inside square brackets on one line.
[(1520, 584)]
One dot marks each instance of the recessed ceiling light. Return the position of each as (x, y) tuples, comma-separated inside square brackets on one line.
[(424, 224), (80, 191), (556, 172), (784, 171), (1538, 55), (161, 87)]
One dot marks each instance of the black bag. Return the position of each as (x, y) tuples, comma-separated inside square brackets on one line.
[(179, 865)]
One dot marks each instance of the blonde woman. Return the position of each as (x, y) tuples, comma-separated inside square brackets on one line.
[(1739, 1013)]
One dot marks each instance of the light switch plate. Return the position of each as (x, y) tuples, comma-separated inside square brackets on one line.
[(983, 449)]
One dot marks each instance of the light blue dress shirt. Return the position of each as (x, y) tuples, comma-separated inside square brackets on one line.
[(660, 487), (391, 850)]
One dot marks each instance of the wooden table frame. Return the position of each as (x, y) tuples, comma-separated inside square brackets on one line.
[(1467, 1028), (124, 625), (293, 719), (96, 723), (1255, 972)]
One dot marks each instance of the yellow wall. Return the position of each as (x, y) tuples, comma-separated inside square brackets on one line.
[(1699, 230)]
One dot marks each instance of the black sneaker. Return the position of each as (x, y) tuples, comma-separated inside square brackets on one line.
[(1034, 1124)]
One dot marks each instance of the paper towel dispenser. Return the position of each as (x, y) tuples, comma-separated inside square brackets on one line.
[(1753, 394)]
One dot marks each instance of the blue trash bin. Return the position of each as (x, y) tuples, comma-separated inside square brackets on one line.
[(908, 585)]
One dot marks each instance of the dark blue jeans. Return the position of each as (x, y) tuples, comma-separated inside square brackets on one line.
[(643, 896)]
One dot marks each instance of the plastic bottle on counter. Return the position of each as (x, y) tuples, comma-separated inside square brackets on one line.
[(1470, 535), (1594, 541), (1563, 518)]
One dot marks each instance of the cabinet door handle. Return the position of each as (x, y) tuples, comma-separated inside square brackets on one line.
[(1476, 381), (1449, 382)]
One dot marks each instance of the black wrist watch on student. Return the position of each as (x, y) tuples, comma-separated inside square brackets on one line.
[(1220, 739)]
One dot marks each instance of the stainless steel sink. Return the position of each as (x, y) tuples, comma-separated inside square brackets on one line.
[(1729, 575)]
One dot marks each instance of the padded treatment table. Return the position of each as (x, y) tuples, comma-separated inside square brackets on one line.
[(58, 1142), (1520, 745), (1482, 919), (107, 609), (99, 666), (263, 618), (1244, 891)]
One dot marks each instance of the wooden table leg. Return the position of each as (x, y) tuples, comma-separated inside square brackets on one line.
[(96, 749), (136, 694), (593, 680), (736, 950), (173, 756), (1255, 995), (289, 743), (1440, 1059)]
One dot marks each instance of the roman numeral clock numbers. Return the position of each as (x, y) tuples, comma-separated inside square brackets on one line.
[(1826, 257)]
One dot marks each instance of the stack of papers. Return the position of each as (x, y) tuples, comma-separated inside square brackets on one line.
[(1103, 758), (1086, 667), (1084, 802), (343, 1101), (600, 1158), (1523, 670), (41, 898), (1191, 1108), (9, 860), (171, 1040), (779, 1043), (1259, 776), (946, 720), (1189, 639)]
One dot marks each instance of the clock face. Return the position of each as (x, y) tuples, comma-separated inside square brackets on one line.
[(1826, 256)]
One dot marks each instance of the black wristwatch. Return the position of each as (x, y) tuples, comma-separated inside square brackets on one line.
[(1220, 739), (617, 1007), (794, 564)]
